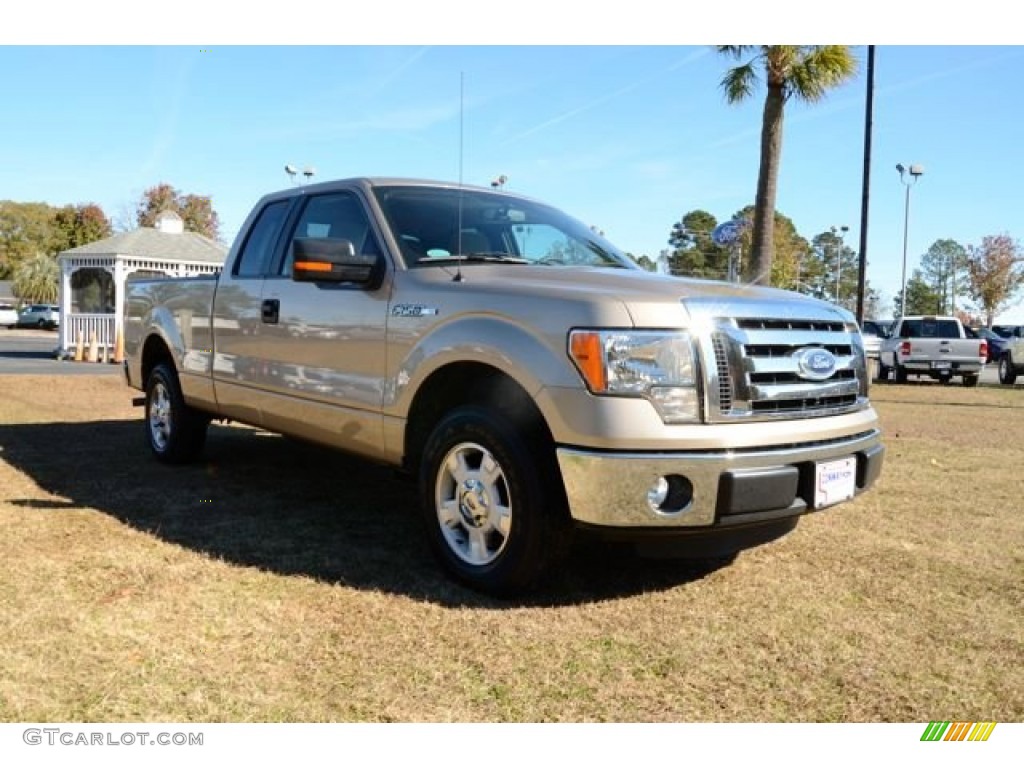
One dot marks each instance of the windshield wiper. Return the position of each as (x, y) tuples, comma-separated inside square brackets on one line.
[(505, 258)]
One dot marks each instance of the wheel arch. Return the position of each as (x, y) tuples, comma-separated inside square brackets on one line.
[(467, 383), (155, 351)]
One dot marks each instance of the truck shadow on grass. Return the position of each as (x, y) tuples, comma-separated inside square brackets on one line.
[(260, 500)]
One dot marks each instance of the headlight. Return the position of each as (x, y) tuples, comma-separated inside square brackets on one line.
[(657, 365)]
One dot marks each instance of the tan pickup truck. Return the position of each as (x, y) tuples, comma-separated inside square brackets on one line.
[(530, 376)]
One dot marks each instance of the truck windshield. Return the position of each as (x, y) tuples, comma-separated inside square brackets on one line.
[(442, 224)]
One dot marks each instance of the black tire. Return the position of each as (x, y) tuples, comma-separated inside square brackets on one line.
[(1007, 373), (492, 502), (881, 371), (971, 379), (41, 324), (900, 374), (175, 432)]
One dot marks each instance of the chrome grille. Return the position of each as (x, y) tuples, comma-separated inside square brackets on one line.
[(754, 373), (722, 370)]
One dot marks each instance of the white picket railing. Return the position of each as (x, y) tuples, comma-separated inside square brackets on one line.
[(87, 325)]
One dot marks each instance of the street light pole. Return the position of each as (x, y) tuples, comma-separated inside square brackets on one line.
[(915, 172), (839, 258)]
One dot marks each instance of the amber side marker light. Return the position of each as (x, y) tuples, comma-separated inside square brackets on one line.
[(585, 348)]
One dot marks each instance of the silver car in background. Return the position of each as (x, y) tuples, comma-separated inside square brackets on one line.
[(39, 316), (8, 316)]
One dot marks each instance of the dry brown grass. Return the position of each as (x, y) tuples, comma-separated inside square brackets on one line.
[(277, 582)]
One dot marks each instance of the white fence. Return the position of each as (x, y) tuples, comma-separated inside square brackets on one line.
[(86, 325)]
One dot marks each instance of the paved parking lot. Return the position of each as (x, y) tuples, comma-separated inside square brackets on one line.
[(31, 351)]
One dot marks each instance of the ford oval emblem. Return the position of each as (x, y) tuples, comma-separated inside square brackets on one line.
[(814, 363)]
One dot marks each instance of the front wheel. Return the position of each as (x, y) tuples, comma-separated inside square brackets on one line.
[(175, 432), (492, 504), (1007, 373)]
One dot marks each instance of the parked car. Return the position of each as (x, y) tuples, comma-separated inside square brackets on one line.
[(39, 316), (8, 315), (1009, 331), (873, 332), (996, 344), (1011, 361)]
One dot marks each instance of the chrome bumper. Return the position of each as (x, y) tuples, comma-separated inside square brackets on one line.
[(728, 487)]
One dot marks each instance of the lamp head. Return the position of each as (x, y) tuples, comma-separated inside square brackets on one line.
[(916, 170), (900, 168)]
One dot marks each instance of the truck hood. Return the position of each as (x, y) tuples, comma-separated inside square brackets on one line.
[(652, 300)]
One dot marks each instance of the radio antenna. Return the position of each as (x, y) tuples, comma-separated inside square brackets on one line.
[(458, 237)]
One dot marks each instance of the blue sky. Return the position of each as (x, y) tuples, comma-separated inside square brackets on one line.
[(625, 137)]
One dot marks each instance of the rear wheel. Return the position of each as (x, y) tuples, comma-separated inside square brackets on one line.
[(494, 513), (881, 371), (971, 379), (175, 432), (901, 374), (1007, 373)]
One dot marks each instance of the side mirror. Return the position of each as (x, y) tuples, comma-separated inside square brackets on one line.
[(330, 260)]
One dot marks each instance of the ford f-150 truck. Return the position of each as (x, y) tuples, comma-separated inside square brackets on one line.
[(531, 376), (936, 347)]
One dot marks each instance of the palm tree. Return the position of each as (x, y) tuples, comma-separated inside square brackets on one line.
[(36, 279), (807, 72)]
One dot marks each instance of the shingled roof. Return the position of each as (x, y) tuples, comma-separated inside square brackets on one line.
[(149, 243)]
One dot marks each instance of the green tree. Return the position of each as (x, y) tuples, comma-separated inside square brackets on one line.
[(791, 249), (25, 230), (944, 268), (922, 298), (76, 225), (644, 261), (996, 274), (37, 279), (196, 211), (694, 253), (806, 72), (833, 269)]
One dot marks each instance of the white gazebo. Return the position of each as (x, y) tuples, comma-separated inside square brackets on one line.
[(93, 276)]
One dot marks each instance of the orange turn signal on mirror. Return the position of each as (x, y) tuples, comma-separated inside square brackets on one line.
[(313, 266), (585, 348)]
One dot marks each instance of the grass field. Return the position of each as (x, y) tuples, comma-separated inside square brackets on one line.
[(278, 582)]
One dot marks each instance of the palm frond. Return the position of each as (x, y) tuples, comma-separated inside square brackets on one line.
[(739, 82), (735, 51), (819, 69)]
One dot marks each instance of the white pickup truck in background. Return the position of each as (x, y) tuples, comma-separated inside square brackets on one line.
[(936, 347)]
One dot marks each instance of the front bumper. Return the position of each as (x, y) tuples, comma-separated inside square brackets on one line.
[(729, 488)]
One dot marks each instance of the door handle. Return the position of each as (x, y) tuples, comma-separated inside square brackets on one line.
[(270, 310)]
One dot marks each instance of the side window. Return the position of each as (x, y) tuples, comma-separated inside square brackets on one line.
[(337, 216), (254, 260)]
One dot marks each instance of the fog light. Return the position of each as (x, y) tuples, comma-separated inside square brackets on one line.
[(670, 495)]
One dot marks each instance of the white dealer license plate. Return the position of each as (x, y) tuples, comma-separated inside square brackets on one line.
[(835, 481), (941, 365)]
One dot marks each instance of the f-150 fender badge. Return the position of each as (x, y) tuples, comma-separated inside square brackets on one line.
[(814, 363), (413, 310)]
